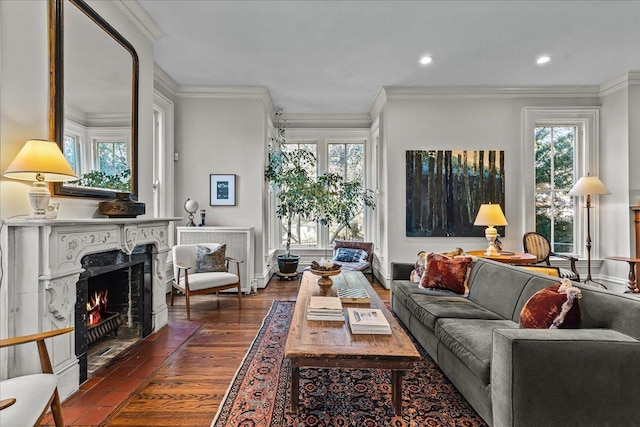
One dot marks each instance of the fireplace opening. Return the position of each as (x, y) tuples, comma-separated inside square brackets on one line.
[(113, 306)]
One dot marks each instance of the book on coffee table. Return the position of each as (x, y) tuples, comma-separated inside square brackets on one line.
[(325, 308), (368, 321)]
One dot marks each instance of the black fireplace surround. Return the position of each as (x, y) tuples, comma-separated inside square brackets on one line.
[(128, 279)]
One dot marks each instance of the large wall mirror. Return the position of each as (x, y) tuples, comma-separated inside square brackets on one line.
[(94, 101)]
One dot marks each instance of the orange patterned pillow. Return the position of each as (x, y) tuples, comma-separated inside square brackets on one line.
[(553, 307), (446, 273)]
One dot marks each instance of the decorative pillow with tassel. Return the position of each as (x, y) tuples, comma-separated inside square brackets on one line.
[(556, 306)]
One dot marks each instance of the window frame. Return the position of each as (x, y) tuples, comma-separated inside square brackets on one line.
[(587, 122), (321, 138)]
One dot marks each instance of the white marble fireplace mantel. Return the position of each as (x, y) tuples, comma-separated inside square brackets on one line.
[(42, 264)]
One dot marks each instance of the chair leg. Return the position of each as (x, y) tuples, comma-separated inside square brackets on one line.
[(186, 293), (56, 409), (239, 296), (173, 292)]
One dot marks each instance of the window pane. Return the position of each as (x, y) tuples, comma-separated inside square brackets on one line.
[(543, 157), (337, 159), (112, 157), (355, 163), (69, 150), (563, 223), (563, 143), (543, 214), (354, 232)]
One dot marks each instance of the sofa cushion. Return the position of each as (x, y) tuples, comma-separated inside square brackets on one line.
[(471, 340), (555, 306), (429, 308), (446, 273)]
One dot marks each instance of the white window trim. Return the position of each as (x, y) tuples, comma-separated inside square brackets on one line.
[(587, 120), (321, 138)]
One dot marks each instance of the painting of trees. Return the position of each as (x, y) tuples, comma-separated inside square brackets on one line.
[(445, 189)]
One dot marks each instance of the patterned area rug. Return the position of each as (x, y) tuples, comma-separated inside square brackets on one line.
[(260, 394)]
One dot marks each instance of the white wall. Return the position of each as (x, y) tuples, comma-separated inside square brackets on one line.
[(619, 171), (24, 98), (221, 135), (434, 122)]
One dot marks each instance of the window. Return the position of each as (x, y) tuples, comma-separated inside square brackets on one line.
[(340, 151), (555, 175), (559, 146), (70, 149), (348, 160), (304, 232), (112, 157)]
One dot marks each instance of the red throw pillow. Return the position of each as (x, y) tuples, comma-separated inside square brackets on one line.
[(446, 273), (553, 307)]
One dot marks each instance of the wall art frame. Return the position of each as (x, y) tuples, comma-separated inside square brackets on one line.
[(222, 189), (445, 188)]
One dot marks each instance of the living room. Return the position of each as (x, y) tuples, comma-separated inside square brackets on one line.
[(233, 124)]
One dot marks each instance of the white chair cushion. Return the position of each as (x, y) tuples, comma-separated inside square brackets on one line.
[(32, 393), (199, 281)]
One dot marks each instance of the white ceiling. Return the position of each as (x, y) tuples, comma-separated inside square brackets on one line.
[(333, 56)]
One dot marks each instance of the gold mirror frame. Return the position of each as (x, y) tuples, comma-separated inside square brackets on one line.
[(56, 93)]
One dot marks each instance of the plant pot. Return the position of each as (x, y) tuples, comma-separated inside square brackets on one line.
[(288, 265)]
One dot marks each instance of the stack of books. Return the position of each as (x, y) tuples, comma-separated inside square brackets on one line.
[(368, 321), (325, 308)]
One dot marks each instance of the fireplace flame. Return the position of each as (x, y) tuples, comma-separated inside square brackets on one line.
[(97, 306)]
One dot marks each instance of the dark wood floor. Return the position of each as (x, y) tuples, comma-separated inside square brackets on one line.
[(190, 384)]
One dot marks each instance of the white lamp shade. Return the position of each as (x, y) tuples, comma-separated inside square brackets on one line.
[(588, 185), (490, 214), (40, 160)]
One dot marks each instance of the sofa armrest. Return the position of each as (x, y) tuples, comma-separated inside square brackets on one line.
[(401, 270), (580, 377)]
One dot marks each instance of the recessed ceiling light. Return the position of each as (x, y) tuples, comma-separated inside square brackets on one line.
[(543, 59), (425, 60)]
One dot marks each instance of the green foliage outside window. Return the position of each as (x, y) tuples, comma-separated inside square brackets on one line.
[(554, 165), (119, 181)]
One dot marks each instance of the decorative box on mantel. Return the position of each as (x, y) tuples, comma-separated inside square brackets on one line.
[(42, 266)]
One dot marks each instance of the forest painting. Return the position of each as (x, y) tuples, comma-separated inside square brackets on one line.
[(446, 188)]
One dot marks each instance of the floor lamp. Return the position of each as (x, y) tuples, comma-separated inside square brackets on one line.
[(588, 186)]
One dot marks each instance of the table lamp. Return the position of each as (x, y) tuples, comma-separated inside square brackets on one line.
[(490, 215), (588, 186), (40, 161)]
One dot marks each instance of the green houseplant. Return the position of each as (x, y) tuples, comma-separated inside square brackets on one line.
[(327, 199)]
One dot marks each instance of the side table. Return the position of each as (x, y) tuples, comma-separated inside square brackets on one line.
[(506, 258), (633, 287)]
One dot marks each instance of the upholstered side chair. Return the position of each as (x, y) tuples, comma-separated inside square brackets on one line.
[(24, 400), (538, 245), (188, 280)]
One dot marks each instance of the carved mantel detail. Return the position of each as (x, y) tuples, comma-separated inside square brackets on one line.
[(62, 296), (44, 260)]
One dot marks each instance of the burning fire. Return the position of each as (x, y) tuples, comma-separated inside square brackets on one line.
[(97, 306)]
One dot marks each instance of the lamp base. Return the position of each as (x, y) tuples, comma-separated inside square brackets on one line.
[(491, 234), (39, 197)]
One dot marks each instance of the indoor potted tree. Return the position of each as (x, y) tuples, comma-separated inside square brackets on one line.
[(290, 174)]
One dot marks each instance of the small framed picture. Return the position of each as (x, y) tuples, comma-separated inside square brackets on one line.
[(223, 190)]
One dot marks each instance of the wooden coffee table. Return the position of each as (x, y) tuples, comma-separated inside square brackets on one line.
[(324, 344)]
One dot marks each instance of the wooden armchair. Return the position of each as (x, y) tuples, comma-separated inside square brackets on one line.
[(538, 245), (24, 400), (187, 280)]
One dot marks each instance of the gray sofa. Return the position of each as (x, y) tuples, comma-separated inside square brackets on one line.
[(528, 377)]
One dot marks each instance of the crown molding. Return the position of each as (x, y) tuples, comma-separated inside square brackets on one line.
[(630, 78), (161, 78), (395, 92), (140, 18), (378, 103), (227, 92), (327, 120)]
